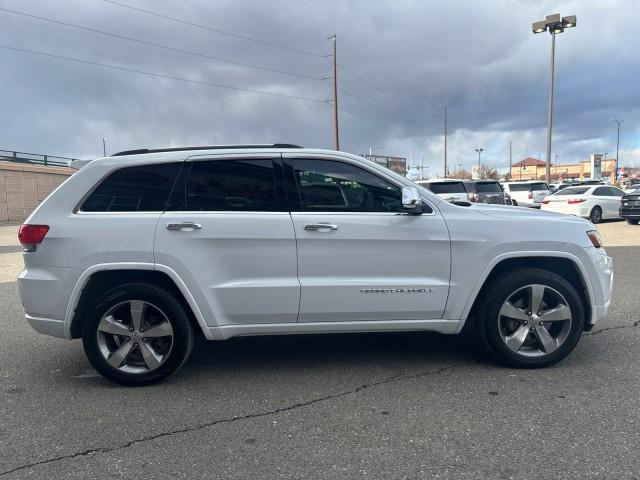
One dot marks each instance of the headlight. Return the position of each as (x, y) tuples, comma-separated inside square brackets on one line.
[(595, 237)]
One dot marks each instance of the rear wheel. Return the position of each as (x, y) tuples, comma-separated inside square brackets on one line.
[(138, 334), (531, 318), (633, 221), (596, 215)]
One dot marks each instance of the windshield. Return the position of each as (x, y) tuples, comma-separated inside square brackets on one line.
[(488, 187), (573, 191), (446, 187)]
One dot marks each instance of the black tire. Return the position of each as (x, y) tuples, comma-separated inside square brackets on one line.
[(514, 203), (488, 319), (182, 332), (633, 221), (596, 215)]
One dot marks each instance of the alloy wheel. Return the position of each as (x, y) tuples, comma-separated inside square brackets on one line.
[(135, 337), (534, 320)]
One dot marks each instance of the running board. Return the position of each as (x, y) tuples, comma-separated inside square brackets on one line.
[(228, 331)]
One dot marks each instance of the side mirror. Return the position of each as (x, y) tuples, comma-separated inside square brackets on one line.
[(411, 200)]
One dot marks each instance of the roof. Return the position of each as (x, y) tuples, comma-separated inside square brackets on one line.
[(203, 147), (530, 162)]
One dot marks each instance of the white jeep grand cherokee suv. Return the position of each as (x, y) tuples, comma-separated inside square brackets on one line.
[(137, 252)]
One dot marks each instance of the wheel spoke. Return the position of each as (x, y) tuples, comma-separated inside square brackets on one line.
[(547, 342), (111, 326), (117, 358), (162, 329), (535, 298), (151, 358), (556, 314), (517, 338), (137, 313), (508, 310)]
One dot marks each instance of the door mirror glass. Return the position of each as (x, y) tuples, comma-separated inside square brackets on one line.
[(411, 200)]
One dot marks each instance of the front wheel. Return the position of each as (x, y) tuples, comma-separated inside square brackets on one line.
[(531, 318), (596, 215), (633, 221), (137, 334)]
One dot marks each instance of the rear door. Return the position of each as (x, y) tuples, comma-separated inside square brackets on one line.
[(359, 257), (228, 234), (605, 200)]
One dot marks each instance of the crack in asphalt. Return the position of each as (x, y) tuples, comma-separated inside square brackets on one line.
[(235, 418), (616, 327)]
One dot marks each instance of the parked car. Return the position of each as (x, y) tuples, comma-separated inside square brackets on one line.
[(486, 191), (632, 188), (449, 189), (137, 252), (528, 193), (630, 206), (595, 202)]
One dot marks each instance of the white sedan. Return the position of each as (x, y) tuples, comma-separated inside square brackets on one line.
[(595, 202)]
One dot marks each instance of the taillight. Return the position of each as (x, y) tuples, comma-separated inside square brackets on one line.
[(575, 200), (530, 195), (545, 202), (32, 235)]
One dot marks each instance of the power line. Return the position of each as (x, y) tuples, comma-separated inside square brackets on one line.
[(160, 75), (158, 45), (390, 95), (371, 121), (215, 30)]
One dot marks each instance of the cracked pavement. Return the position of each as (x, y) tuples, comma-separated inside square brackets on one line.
[(402, 405)]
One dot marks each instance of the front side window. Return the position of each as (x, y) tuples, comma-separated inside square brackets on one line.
[(228, 185), (145, 188), (332, 186)]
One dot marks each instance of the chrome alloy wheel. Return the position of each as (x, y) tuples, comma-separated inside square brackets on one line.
[(135, 337), (534, 321)]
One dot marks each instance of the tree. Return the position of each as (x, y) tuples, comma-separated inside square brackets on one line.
[(462, 174), (488, 173)]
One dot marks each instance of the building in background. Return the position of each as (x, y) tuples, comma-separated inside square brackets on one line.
[(397, 164), (535, 169)]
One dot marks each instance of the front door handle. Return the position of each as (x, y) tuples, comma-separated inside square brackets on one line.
[(314, 227), (186, 226)]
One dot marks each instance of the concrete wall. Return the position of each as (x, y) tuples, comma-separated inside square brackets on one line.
[(23, 187)]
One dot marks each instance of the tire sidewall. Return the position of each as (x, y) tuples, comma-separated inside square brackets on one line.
[(182, 332), (595, 220), (503, 289)]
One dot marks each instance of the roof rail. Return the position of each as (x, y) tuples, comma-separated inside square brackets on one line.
[(203, 147)]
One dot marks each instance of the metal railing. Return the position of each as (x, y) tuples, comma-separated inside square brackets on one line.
[(34, 158)]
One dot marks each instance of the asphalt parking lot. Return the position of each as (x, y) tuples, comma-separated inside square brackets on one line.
[(336, 406)]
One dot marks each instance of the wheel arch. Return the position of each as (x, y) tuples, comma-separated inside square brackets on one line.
[(99, 278), (565, 265)]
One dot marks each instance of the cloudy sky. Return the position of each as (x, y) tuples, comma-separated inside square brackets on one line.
[(400, 63)]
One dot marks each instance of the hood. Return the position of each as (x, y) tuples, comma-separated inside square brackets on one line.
[(526, 214)]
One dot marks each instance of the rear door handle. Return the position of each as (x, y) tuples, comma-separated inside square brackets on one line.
[(187, 226), (314, 227)]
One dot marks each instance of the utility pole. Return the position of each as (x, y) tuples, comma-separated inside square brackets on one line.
[(104, 147), (445, 142), (510, 158), (615, 173), (336, 134), (422, 166)]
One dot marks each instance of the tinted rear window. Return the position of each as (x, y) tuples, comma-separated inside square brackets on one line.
[(536, 187), (446, 187), (228, 185), (134, 189), (519, 187), (573, 191), (488, 187)]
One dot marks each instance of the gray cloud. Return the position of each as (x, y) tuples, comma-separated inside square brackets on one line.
[(478, 58)]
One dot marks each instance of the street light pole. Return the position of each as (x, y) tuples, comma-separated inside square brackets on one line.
[(615, 174), (104, 147), (554, 24), (479, 150)]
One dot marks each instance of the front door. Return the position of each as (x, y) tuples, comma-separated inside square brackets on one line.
[(359, 257)]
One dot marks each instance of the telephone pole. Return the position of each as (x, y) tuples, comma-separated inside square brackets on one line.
[(615, 173), (336, 134), (510, 158), (445, 142)]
